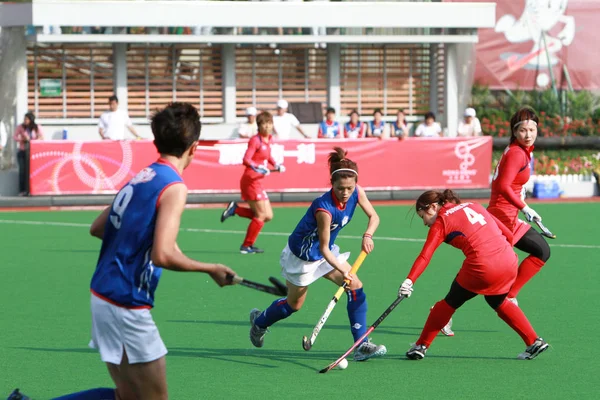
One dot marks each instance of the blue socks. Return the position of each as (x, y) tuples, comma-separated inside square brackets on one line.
[(92, 394), (278, 310), (357, 312)]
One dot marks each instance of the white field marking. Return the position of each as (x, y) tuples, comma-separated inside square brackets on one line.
[(230, 232)]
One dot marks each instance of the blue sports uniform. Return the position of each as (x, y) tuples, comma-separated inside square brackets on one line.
[(125, 274), (329, 131), (304, 240)]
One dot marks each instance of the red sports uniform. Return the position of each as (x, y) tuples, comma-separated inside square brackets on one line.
[(512, 172), (490, 267), (257, 154)]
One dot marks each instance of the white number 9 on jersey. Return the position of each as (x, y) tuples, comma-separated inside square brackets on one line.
[(119, 205)]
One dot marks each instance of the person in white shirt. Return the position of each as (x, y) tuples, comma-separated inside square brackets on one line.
[(470, 125), (429, 128), (112, 123), (283, 122), (248, 128)]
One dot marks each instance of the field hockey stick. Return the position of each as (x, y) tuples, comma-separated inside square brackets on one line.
[(279, 285), (308, 342), (256, 286), (363, 337), (545, 231)]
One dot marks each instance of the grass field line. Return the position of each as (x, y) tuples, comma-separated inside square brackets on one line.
[(232, 232)]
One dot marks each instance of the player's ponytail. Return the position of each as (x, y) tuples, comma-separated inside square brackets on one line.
[(340, 166), (434, 197), (523, 114)]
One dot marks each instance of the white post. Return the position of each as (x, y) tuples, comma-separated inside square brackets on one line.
[(229, 94), (333, 77), (20, 65), (433, 80), (120, 74), (451, 79)]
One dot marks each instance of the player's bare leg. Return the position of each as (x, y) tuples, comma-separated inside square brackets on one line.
[(357, 314), (140, 381)]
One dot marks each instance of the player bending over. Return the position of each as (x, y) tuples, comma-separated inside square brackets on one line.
[(139, 233), (512, 172), (311, 253), (489, 269), (256, 161)]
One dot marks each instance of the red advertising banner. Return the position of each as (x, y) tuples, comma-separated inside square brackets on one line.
[(537, 40), (64, 167)]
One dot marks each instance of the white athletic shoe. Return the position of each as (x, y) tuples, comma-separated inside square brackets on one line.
[(513, 300), (447, 330), (531, 352), (257, 334), (369, 350), (416, 352)]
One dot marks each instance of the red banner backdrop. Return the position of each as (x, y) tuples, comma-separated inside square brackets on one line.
[(63, 167), (534, 40)]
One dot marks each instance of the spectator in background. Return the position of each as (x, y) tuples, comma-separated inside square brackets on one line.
[(248, 128), (330, 128), (429, 128), (400, 126), (355, 129), (377, 127), (283, 122), (112, 123), (470, 125), (25, 133)]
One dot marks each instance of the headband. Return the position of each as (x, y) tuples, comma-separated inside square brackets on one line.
[(344, 169), (522, 122)]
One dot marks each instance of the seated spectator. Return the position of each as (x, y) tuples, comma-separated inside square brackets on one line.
[(330, 128), (377, 127), (248, 128), (470, 125), (24, 134), (429, 128), (112, 123), (355, 129), (400, 126), (283, 122)]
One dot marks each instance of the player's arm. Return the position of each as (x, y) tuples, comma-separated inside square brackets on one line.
[(102, 128), (252, 147), (505, 231), (320, 133), (435, 237), (323, 228), (367, 207), (97, 228), (302, 131), (165, 252)]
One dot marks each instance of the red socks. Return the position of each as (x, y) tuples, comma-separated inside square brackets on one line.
[(438, 318), (244, 212), (253, 231), (529, 267), (514, 317)]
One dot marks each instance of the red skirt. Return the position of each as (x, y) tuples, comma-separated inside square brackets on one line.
[(511, 220), (492, 275), (252, 189)]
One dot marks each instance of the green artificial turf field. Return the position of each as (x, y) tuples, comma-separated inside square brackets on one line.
[(48, 259)]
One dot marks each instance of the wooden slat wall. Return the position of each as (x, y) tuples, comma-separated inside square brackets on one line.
[(385, 77), (260, 84), (82, 66)]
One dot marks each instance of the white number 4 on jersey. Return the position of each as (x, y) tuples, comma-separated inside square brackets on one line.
[(474, 217)]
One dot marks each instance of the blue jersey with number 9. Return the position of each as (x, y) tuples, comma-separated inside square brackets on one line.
[(125, 274)]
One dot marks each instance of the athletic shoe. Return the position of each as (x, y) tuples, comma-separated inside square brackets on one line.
[(229, 211), (513, 300), (447, 330), (257, 334), (531, 352), (16, 395), (416, 352), (369, 350), (250, 250)]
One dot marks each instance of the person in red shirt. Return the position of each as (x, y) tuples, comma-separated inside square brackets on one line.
[(489, 269), (256, 161), (512, 172)]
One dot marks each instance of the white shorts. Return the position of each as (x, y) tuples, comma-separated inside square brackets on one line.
[(116, 328), (302, 273)]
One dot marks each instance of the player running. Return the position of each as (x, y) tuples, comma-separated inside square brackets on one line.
[(311, 253), (489, 269), (256, 161), (139, 233), (512, 172)]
